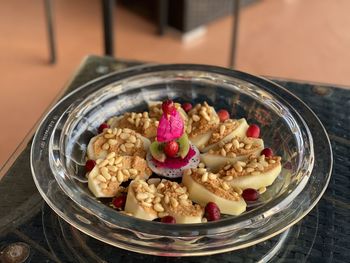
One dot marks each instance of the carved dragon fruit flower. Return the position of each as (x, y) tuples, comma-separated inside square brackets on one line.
[(171, 126)]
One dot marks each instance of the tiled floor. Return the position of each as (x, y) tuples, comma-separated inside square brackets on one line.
[(295, 39)]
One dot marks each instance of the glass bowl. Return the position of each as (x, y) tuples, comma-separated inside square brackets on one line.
[(287, 125)]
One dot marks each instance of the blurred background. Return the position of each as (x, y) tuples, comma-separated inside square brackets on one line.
[(293, 39)]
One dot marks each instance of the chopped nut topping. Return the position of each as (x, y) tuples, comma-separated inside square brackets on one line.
[(110, 176), (215, 185), (166, 199), (120, 144), (140, 122), (221, 131), (237, 146), (177, 202), (202, 118), (253, 166)]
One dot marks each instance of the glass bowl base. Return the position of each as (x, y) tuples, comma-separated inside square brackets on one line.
[(68, 242)]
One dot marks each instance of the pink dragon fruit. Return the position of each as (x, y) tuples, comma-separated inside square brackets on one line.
[(171, 125)]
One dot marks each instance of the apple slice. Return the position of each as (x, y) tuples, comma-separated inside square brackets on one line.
[(100, 186), (177, 204), (201, 123), (237, 149), (256, 173), (105, 178), (121, 141), (139, 200), (205, 187), (225, 132), (201, 139)]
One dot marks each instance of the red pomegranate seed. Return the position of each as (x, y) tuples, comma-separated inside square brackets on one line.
[(168, 106), (171, 148), (212, 212), (187, 106), (168, 220), (267, 152), (223, 115), (89, 165), (253, 131), (102, 127), (119, 202), (250, 194)]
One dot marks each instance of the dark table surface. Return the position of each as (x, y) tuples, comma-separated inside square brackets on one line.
[(28, 226)]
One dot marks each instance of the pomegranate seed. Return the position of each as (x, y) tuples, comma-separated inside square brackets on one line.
[(171, 148), (102, 127), (89, 165), (288, 166), (187, 106), (267, 152), (212, 212), (223, 115), (253, 131), (250, 194), (119, 202), (168, 220), (168, 106)]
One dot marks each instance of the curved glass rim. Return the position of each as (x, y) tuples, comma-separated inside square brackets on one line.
[(173, 230)]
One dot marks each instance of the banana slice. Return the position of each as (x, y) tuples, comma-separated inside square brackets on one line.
[(205, 187), (237, 149), (177, 204), (125, 142), (202, 119), (139, 122), (225, 132), (140, 198), (256, 173), (105, 179)]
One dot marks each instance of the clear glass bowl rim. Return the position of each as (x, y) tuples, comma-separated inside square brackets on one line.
[(171, 229)]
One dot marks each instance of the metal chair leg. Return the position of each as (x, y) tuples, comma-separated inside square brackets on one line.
[(162, 16), (50, 30), (236, 11), (108, 21)]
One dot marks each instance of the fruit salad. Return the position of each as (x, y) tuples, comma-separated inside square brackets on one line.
[(179, 163)]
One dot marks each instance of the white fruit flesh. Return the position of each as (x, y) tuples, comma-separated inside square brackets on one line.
[(113, 121), (133, 206), (91, 152), (240, 131), (263, 179), (170, 172), (185, 212), (186, 219), (215, 161), (132, 167), (200, 140), (94, 185), (201, 195)]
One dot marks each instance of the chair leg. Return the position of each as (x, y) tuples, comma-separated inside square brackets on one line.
[(108, 21), (162, 16), (50, 30), (236, 11)]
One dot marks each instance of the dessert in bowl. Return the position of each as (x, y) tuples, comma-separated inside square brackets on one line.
[(59, 163), (235, 167)]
